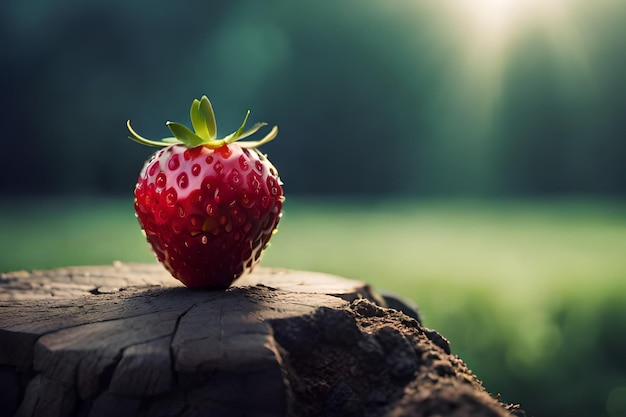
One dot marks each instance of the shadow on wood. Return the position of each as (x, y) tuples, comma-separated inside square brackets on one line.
[(129, 340)]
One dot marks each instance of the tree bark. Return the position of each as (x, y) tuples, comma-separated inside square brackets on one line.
[(129, 340)]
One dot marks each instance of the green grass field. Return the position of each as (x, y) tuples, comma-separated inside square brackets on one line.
[(516, 285)]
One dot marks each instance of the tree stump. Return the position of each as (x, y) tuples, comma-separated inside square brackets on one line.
[(129, 340)]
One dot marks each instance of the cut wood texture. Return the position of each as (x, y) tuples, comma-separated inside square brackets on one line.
[(129, 340)]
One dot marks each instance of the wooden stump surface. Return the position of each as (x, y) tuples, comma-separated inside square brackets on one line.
[(129, 340)]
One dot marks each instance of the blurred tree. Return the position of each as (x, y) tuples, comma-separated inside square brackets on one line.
[(371, 97), (534, 125)]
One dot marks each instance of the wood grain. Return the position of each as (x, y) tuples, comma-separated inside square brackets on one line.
[(129, 340)]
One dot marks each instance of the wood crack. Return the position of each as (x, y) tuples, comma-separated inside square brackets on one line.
[(171, 344), (157, 348)]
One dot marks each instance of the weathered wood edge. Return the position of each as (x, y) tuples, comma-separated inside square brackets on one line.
[(81, 333), (128, 339)]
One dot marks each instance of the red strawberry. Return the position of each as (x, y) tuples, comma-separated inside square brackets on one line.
[(208, 206)]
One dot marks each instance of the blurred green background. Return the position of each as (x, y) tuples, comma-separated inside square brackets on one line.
[(467, 154)]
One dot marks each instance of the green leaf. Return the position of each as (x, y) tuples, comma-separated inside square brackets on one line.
[(205, 130), (170, 141), (185, 135), (270, 136), (140, 139), (146, 142), (237, 133), (206, 109), (252, 130), (197, 120)]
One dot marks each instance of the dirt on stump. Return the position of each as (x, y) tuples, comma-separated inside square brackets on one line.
[(370, 361), (129, 340)]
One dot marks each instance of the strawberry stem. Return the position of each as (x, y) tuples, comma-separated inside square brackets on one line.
[(204, 130)]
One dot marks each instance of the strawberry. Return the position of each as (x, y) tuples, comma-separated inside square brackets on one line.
[(208, 206)]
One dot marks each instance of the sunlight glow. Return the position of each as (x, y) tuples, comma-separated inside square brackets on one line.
[(499, 20), (487, 31), (493, 18)]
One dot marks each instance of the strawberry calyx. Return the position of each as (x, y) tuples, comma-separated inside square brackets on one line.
[(204, 131)]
